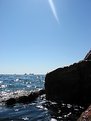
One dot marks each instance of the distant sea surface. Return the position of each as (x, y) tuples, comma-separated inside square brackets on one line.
[(38, 110)]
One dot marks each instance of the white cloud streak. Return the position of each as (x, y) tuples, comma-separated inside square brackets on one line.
[(53, 10)]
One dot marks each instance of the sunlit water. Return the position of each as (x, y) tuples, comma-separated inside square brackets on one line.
[(38, 110)]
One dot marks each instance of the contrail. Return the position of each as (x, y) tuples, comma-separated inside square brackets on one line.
[(53, 10)]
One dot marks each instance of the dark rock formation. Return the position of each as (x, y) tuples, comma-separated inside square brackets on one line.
[(11, 101), (25, 99), (70, 84)]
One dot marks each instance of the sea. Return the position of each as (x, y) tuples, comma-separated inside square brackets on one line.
[(38, 110)]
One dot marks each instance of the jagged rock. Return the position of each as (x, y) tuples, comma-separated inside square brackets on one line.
[(70, 84), (26, 98), (86, 115)]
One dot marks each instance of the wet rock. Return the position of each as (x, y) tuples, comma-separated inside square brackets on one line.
[(26, 98), (23, 99), (42, 91), (11, 101), (86, 115), (72, 84)]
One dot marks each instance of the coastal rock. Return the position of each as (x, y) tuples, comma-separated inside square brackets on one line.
[(11, 101), (86, 115), (71, 84), (25, 98)]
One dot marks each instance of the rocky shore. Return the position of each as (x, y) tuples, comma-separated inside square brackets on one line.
[(71, 84)]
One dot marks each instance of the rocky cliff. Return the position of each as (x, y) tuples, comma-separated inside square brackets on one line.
[(71, 84)]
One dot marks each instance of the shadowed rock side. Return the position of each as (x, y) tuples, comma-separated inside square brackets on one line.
[(71, 84)]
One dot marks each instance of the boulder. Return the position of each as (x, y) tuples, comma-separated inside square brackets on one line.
[(71, 84)]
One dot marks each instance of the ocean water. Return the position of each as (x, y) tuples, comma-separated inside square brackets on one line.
[(40, 109)]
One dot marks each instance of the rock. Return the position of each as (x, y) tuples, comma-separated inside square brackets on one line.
[(26, 98), (70, 84), (23, 99), (11, 101), (86, 115), (42, 91)]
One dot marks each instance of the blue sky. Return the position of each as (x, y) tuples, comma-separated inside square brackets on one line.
[(38, 36)]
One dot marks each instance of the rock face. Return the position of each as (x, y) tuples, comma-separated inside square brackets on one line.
[(70, 84), (86, 115)]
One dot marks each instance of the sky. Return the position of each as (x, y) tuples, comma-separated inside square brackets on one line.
[(38, 36)]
